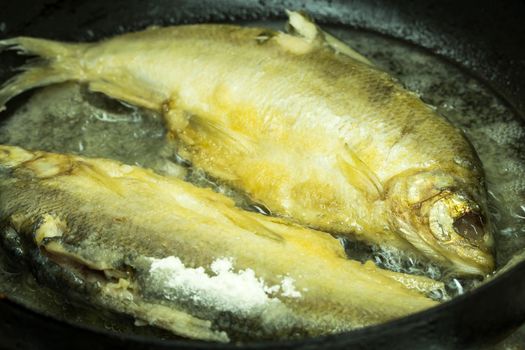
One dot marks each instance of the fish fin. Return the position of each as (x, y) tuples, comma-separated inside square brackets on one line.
[(221, 133), (182, 323), (359, 174), (214, 127), (113, 295), (302, 35), (43, 48), (251, 224), (303, 25), (421, 284), (57, 62), (49, 226), (340, 47), (127, 93), (98, 175), (121, 296)]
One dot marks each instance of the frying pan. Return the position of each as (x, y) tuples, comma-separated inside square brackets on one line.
[(485, 38)]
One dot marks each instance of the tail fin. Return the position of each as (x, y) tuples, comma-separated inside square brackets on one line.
[(57, 62)]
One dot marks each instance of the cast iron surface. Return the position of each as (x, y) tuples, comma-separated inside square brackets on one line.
[(485, 37)]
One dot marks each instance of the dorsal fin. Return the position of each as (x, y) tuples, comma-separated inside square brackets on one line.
[(343, 48), (300, 24)]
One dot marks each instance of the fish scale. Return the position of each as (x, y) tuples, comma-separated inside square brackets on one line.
[(99, 245), (300, 123)]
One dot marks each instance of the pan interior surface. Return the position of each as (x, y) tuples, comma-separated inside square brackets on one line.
[(68, 118)]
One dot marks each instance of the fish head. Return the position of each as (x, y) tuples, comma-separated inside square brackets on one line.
[(445, 217)]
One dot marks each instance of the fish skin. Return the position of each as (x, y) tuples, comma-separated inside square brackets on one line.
[(301, 123), (110, 218)]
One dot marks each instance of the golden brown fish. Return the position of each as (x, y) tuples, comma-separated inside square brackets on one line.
[(185, 258), (301, 123)]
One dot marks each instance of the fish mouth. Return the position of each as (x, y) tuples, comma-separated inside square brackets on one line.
[(482, 264), (464, 259), (458, 257)]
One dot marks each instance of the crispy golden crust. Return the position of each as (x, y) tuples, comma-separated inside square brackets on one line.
[(299, 122), (110, 218)]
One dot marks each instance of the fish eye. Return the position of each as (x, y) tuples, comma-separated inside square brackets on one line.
[(470, 226), (456, 214)]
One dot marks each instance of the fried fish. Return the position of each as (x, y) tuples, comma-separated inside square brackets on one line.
[(185, 258), (298, 121)]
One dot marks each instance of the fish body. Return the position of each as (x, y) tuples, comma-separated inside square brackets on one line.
[(299, 122), (185, 258)]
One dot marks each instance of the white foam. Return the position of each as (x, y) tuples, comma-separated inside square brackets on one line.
[(224, 289)]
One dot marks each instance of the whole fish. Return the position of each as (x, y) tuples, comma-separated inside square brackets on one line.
[(298, 121), (185, 258)]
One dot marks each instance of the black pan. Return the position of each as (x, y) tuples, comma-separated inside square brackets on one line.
[(487, 38)]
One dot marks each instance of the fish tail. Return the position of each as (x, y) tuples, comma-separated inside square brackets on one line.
[(55, 62)]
